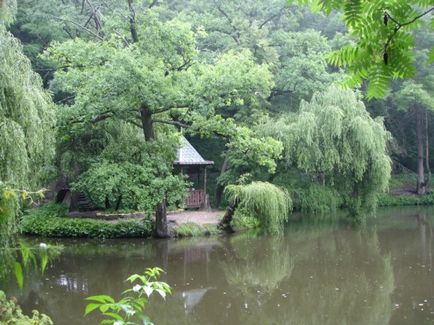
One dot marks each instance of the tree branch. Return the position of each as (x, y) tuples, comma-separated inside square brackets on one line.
[(176, 123), (165, 109), (279, 14), (153, 3), (229, 19), (78, 25), (399, 26), (133, 28)]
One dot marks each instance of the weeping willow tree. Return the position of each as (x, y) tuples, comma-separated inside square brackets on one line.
[(261, 200), (26, 116), (334, 141), (9, 208)]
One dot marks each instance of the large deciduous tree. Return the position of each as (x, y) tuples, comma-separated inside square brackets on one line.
[(152, 78)]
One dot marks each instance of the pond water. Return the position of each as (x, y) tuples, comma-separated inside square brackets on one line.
[(315, 274)]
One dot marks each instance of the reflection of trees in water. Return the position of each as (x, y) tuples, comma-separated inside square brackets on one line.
[(411, 247), (340, 277), (425, 230), (233, 280), (259, 271), (83, 269)]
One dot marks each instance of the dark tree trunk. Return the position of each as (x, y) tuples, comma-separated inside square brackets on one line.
[(421, 185), (225, 223), (219, 188), (118, 202), (74, 205), (133, 28), (147, 124), (161, 229)]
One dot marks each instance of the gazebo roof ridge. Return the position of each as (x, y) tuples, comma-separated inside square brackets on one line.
[(187, 155)]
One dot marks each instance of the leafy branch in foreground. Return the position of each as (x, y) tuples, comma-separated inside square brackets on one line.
[(384, 41), (130, 309)]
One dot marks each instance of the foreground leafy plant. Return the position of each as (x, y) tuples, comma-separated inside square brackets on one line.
[(384, 41), (130, 309), (11, 313)]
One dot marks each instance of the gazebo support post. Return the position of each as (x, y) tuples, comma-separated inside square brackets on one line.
[(205, 200)]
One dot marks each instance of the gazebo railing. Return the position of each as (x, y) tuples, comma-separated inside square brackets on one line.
[(195, 199)]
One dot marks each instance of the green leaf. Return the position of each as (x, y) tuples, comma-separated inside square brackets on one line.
[(101, 298), (90, 308), (114, 315), (44, 260), (19, 274)]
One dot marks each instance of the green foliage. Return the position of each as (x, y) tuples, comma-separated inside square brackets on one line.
[(250, 156), (317, 200), (191, 229), (130, 308), (129, 186), (159, 79), (26, 119), (266, 202), (303, 67), (11, 313), (242, 220), (390, 199), (9, 210), (48, 223), (413, 94), (7, 11), (384, 40), (336, 143)]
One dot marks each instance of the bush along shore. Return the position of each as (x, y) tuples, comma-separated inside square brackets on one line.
[(390, 199), (51, 221)]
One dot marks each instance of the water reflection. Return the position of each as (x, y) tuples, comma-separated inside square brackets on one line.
[(313, 275)]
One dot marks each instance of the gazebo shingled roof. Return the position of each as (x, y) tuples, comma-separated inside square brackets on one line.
[(186, 155)]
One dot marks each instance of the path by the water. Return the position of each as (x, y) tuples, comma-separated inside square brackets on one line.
[(198, 217)]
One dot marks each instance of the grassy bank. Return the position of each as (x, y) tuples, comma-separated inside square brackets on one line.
[(391, 199), (402, 192), (51, 221), (191, 229)]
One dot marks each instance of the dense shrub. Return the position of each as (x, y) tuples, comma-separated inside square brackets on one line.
[(129, 186), (50, 222), (10, 313)]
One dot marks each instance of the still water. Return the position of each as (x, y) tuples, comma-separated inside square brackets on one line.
[(315, 274)]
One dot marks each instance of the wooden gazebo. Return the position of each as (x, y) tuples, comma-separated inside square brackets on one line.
[(191, 163)]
